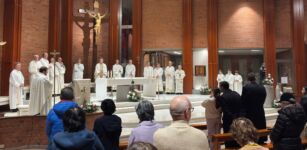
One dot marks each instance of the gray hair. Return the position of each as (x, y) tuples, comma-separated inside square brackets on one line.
[(179, 108), (145, 111)]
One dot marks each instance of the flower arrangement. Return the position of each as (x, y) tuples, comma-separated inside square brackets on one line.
[(268, 80), (89, 107), (133, 95), (205, 90)]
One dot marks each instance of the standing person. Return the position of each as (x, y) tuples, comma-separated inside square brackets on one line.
[(148, 71), (40, 100), (213, 115), (147, 127), (179, 76), (117, 70), (304, 98), (54, 122), (229, 77), (16, 88), (238, 82), (262, 72), (253, 98), (289, 125), (158, 73), (44, 60), (78, 70), (101, 70), (180, 135), (231, 105), (169, 78), (109, 126), (75, 135), (53, 75), (61, 78), (34, 66), (130, 70), (220, 77)]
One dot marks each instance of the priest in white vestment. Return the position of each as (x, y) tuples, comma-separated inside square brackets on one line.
[(179, 76), (101, 70), (229, 77), (117, 70), (220, 77), (40, 100), (130, 70), (238, 82), (45, 62), (148, 71), (78, 70), (53, 74), (60, 79), (169, 78), (16, 88), (158, 73), (34, 66)]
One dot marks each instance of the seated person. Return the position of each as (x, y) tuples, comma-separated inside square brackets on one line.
[(108, 127), (245, 133), (75, 135), (141, 146), (147, 127)]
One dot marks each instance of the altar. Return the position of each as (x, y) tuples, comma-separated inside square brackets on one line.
[(148, 86)]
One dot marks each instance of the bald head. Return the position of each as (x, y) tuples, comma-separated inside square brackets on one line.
[(180, 108)]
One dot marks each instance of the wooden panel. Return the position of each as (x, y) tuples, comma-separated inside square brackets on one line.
[(53, 41), (66, 36), (269, 37), (11, 34), (137, 35), (113, 33), (298, 44), (212, 42), (187, 55)]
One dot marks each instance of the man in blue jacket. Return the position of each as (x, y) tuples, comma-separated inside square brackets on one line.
[(54, 123)]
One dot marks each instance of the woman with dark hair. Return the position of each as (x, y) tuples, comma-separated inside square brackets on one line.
[(141, 146), (147, 127), (108, 127), (75, 135), (213, 114)]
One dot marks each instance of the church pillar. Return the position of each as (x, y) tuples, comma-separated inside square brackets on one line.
[(187, 55), (12, 35), (212, 42), (269, 37), (137, 35), (53, 36), (298, 44), (66, 36), (113, 53)]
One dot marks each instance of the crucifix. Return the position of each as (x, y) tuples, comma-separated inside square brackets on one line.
[(54, 55)]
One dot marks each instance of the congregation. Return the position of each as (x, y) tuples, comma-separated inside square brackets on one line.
[(225, 109)]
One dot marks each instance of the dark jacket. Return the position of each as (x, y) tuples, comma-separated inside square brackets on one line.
[(304, 102), (54, 122), (253, 98), (81, 140), (108, 128), (231, 105), (288, 127)]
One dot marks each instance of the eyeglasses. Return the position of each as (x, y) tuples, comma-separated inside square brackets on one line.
[(191, 109)]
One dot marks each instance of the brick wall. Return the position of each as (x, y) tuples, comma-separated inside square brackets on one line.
[(283, 23), (200, 39), (162, 24), (34, 34), (240, 24)]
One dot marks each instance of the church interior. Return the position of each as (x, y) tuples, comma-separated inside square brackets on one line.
[(210, 39)]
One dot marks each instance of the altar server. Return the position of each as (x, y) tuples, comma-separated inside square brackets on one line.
[(101, 70), (179, 76), (40, 100), (148, 71), (130, 70), (158, 73), (169, 78), (117, 70), (16, 88), (78, 70), (220, 77), (230, 79), (34, 65), (60, 79), (238, 81)]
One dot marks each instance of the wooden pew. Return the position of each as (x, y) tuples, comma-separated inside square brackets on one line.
[(124, 143)]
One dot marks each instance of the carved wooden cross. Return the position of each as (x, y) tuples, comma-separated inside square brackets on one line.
[(54, 53)]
